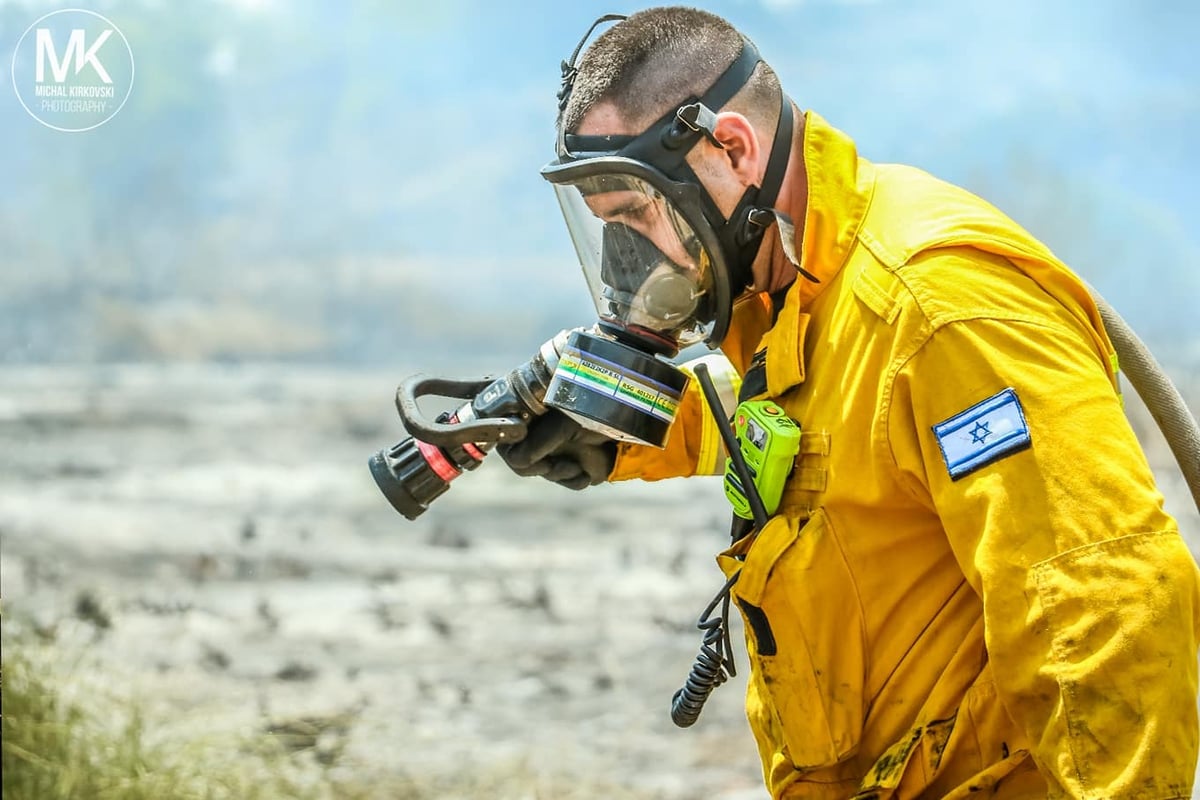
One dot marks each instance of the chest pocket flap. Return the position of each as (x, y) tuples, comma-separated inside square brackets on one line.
[(805, 628)]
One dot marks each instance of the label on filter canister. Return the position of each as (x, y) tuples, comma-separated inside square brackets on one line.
[(607, 378)]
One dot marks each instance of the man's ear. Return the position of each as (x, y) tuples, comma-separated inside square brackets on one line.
[(737, 136)]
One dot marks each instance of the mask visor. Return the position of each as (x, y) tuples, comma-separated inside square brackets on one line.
[(643, 261)]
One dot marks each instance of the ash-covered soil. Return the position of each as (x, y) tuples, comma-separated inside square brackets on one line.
[(210, 537)]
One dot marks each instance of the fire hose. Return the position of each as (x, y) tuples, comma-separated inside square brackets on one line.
[(1156, 390)]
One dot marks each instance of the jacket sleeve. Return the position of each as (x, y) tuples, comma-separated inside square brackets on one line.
[(1089, 592), (694, 445)]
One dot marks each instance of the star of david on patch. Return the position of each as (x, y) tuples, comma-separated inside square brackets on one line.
[(985, 432), (980, 433)]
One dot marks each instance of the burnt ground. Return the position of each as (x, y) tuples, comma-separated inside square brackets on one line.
[(208, 540)]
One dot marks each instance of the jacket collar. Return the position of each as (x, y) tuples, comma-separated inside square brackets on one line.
[(840, 186)]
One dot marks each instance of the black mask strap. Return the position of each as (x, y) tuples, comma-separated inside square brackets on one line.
[(569, 68), (735, 76), (742, 233), (781, 151), (666, 142)]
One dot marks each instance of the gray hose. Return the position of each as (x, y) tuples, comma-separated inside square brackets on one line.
[(1163, 400)]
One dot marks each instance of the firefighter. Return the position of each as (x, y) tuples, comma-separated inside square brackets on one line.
[(970, 583)]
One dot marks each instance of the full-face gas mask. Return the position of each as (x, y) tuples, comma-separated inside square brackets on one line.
[(644, 288), (660, 258), (649, 271), (664, 267)]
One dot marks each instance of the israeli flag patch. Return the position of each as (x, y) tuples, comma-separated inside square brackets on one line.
[(984, 433)]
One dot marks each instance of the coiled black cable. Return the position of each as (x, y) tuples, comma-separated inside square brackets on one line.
[(714, 664)]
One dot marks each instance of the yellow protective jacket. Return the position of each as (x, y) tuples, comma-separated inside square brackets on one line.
[(971, 584)]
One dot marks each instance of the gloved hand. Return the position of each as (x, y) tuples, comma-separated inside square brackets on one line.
[(561, 450)]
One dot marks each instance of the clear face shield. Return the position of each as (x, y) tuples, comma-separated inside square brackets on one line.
[(646, 265)]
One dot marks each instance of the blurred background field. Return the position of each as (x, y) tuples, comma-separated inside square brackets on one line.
[(206, 303), (206, 542)]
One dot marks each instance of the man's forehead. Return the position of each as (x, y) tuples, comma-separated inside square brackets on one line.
[(605, 119)]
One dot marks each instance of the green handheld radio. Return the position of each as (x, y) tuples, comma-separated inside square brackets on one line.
[(769, 441)]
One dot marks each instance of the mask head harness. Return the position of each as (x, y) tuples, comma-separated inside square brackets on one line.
[(658, 157)]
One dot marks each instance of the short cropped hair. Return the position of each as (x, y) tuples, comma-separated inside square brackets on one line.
[(660, 57)]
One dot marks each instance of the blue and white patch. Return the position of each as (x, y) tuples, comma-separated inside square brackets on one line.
[(984, 433)]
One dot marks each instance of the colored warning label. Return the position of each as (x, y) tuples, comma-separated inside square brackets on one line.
[(606, 378)]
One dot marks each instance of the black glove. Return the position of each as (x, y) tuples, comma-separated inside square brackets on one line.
[(561, 450)]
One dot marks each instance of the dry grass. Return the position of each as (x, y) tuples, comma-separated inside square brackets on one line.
[(67, 735), (61, 743)]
